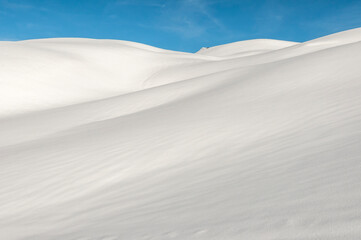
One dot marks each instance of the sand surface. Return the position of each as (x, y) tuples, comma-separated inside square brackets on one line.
[(114, 140)]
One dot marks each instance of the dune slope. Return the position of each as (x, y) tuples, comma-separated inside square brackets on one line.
[(110, 140)]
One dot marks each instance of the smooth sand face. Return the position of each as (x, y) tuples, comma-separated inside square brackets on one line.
[(106, 140)]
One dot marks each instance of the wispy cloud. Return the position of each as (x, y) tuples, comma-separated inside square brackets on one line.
[(186, 18), (189, 18), (203, 7), (14, 5), (19, 5), (187, 29)]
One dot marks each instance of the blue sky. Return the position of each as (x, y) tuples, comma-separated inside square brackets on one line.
[(184, 25)]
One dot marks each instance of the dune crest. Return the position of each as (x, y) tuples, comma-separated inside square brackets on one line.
[(107, 139)]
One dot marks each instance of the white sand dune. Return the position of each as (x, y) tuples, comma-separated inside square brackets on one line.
[(113, 140), (245, 48)]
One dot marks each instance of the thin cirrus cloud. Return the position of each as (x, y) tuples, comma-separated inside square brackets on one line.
[(14, 5), (186, 18), (7, 5)]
